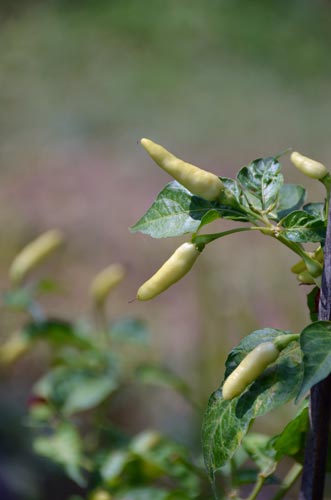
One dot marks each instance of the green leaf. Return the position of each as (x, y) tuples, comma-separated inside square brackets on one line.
[(19, 299), (291, 441), (302, 227), (291, 198), (315, 342), (63, 447), (312, 303), (56, 331), (88, 393), (315, 209), (72, 389), (161, 456), (130, 330), (174, 212), (230, 201), (156, 375), (113, 466), (258, 447), (226, 422), (261, 181)]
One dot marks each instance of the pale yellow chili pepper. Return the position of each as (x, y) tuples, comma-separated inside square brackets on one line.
[(249, 369), (309, 167), (34, 253), (198, 181), (172, 270)]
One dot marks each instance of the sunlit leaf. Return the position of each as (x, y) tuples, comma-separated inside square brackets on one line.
[(291, 197), (261, 181), (302, 227), (174, 212)]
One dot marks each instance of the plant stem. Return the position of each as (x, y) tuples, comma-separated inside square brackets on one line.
[(283, 340), (295, 247), (203, 239), (288, 481), (258, 487), (314, 469), (101, 321)]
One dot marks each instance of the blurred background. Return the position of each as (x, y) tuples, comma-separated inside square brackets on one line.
[(219, 83)]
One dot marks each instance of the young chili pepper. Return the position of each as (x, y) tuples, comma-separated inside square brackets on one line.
[(309, 167), (198, 181), (172, 270), (249, 369), (105, 281), (34, 253)]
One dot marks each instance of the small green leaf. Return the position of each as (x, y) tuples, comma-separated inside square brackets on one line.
[(63, 447), (56, 331), (302, 227), (18, 299), (226, 422), (156, 375), (315, 342), (72, 389), (290, 442), (174, 212), (230, 201), (130, 330), (258, 448), (312, 303), (261, 181), (113, 466), (161, 457), (291, 198), (88, 393), (315, 209)]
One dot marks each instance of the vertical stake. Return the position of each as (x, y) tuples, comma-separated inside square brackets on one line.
[(314, 470)]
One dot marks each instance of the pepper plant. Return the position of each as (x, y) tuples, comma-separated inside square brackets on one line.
[(255, 383), (93, 362)]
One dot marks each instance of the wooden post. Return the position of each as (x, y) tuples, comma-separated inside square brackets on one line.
[(314, 470)]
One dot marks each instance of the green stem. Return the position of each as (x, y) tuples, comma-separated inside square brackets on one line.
[(101, 322), (204, 239), (295, 247), (288, 481), (313, 267), (258, 487), (283, 340)]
